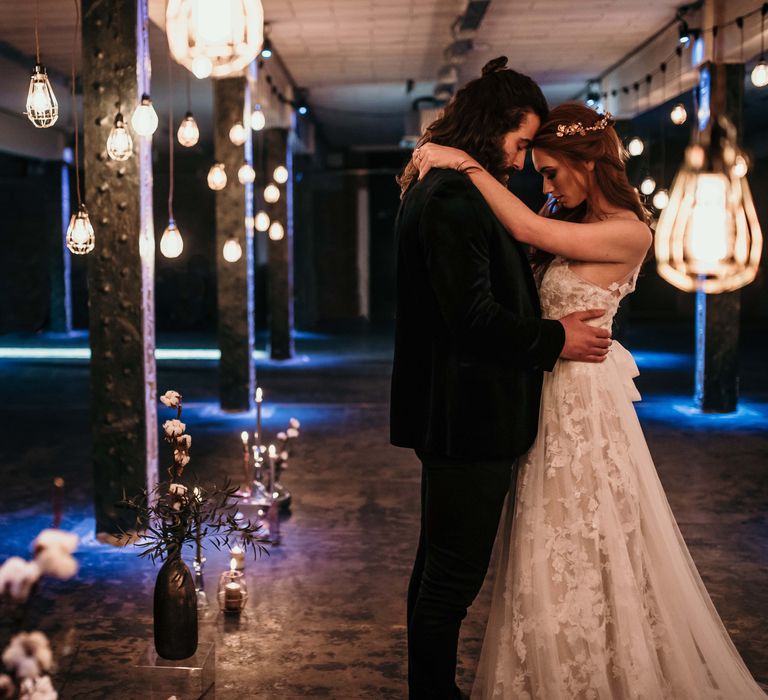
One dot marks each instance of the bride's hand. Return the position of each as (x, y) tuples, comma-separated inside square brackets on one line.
[(430, 155)]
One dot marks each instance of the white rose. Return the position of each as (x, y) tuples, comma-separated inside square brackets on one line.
[(174, 428), (171, 399), (17, 576)]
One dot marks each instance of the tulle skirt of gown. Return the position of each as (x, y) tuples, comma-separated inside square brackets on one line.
[(596, 595)]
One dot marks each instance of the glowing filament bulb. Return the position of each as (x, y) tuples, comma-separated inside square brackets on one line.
[(648, 185), (271, 193), (660, 199), (217, 177), (258, 120), (678, 115), (635, 146), (42, 107), (232, 253), (760, 74), (276, 231), (119, 143), (280, 175), (80, 237), (188, 133), (144, 118), (237, 134), (708, 243), (262, 221), (246, 174), (171, 243)]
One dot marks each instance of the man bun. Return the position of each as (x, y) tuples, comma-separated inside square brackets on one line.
[(495, 65)]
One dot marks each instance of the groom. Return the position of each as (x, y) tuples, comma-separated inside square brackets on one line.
[(470, 352)]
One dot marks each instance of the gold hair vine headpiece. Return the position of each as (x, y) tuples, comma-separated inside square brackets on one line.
[(578, 128)]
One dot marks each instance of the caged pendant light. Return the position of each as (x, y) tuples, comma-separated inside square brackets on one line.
[(214, 37), (42, 107), (708, 237), (80, 235)]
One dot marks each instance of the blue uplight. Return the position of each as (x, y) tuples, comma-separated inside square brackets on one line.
[(682, 411)]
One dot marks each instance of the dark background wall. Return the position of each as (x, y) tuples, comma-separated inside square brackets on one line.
[(325, 233)]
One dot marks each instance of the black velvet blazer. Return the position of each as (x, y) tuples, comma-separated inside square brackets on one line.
[(470, 343)]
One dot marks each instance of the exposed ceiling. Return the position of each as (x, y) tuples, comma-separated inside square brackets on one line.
[(355, 56)]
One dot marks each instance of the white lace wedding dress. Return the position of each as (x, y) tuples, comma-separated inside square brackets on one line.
[(596, 595)]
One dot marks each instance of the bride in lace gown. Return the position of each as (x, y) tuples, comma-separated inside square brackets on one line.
[(596, 595)]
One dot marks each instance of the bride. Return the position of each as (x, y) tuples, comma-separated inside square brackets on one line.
[(596, 595)]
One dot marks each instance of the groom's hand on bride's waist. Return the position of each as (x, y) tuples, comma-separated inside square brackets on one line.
[(585, 343)]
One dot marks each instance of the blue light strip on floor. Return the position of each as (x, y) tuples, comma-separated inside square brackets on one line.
[(27, 353)]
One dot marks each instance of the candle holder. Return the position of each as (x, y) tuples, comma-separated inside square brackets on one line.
[(233, 592)]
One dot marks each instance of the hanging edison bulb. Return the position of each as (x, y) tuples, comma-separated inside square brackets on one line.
[(760, 75), (708, 237), (119, 142), (232, 251), (679, 114), (276, 231), (144, 118), (237, 134), (271, 193), (80, 236), (246, 174), (188, 133), (660, 199), (635, 146), (42, 107), (217, 177), (262, 221), (214, 37), (648, 185), (171, 242), (258, 120), (281, 174)]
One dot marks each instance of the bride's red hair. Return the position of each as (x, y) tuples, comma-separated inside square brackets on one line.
[(601, 146)]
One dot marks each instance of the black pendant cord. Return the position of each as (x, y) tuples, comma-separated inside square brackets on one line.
[(679, 51), (189, 97), (763, 13), (74, 106), (37, 35), (740, 25), (170, 139)]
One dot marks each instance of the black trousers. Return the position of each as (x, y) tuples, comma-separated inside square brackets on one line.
[(461, 504)]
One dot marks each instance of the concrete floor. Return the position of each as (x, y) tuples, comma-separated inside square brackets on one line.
[(325, 616)]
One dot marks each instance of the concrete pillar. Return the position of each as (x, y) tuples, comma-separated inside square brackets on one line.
[(116, 68), (281, 337), (717, 315), (234, 281)]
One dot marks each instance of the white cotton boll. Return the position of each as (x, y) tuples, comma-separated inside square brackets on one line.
[(174, 428), (181, 458), (177, 489), (294, 423), (184, 441), (292, 433), (38, 689), (171, 399), (7, 687), (17, 576), (57, 563), (282, 436), (60, 539), (284, 456), (28, 655)]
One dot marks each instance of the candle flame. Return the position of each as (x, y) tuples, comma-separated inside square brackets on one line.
[(259, 395), (232, 564), (244, 437)]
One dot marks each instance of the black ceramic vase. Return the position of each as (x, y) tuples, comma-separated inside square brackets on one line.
[(175, 611)]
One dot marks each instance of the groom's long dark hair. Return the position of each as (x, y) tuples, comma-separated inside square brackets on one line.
[(480, 114)]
